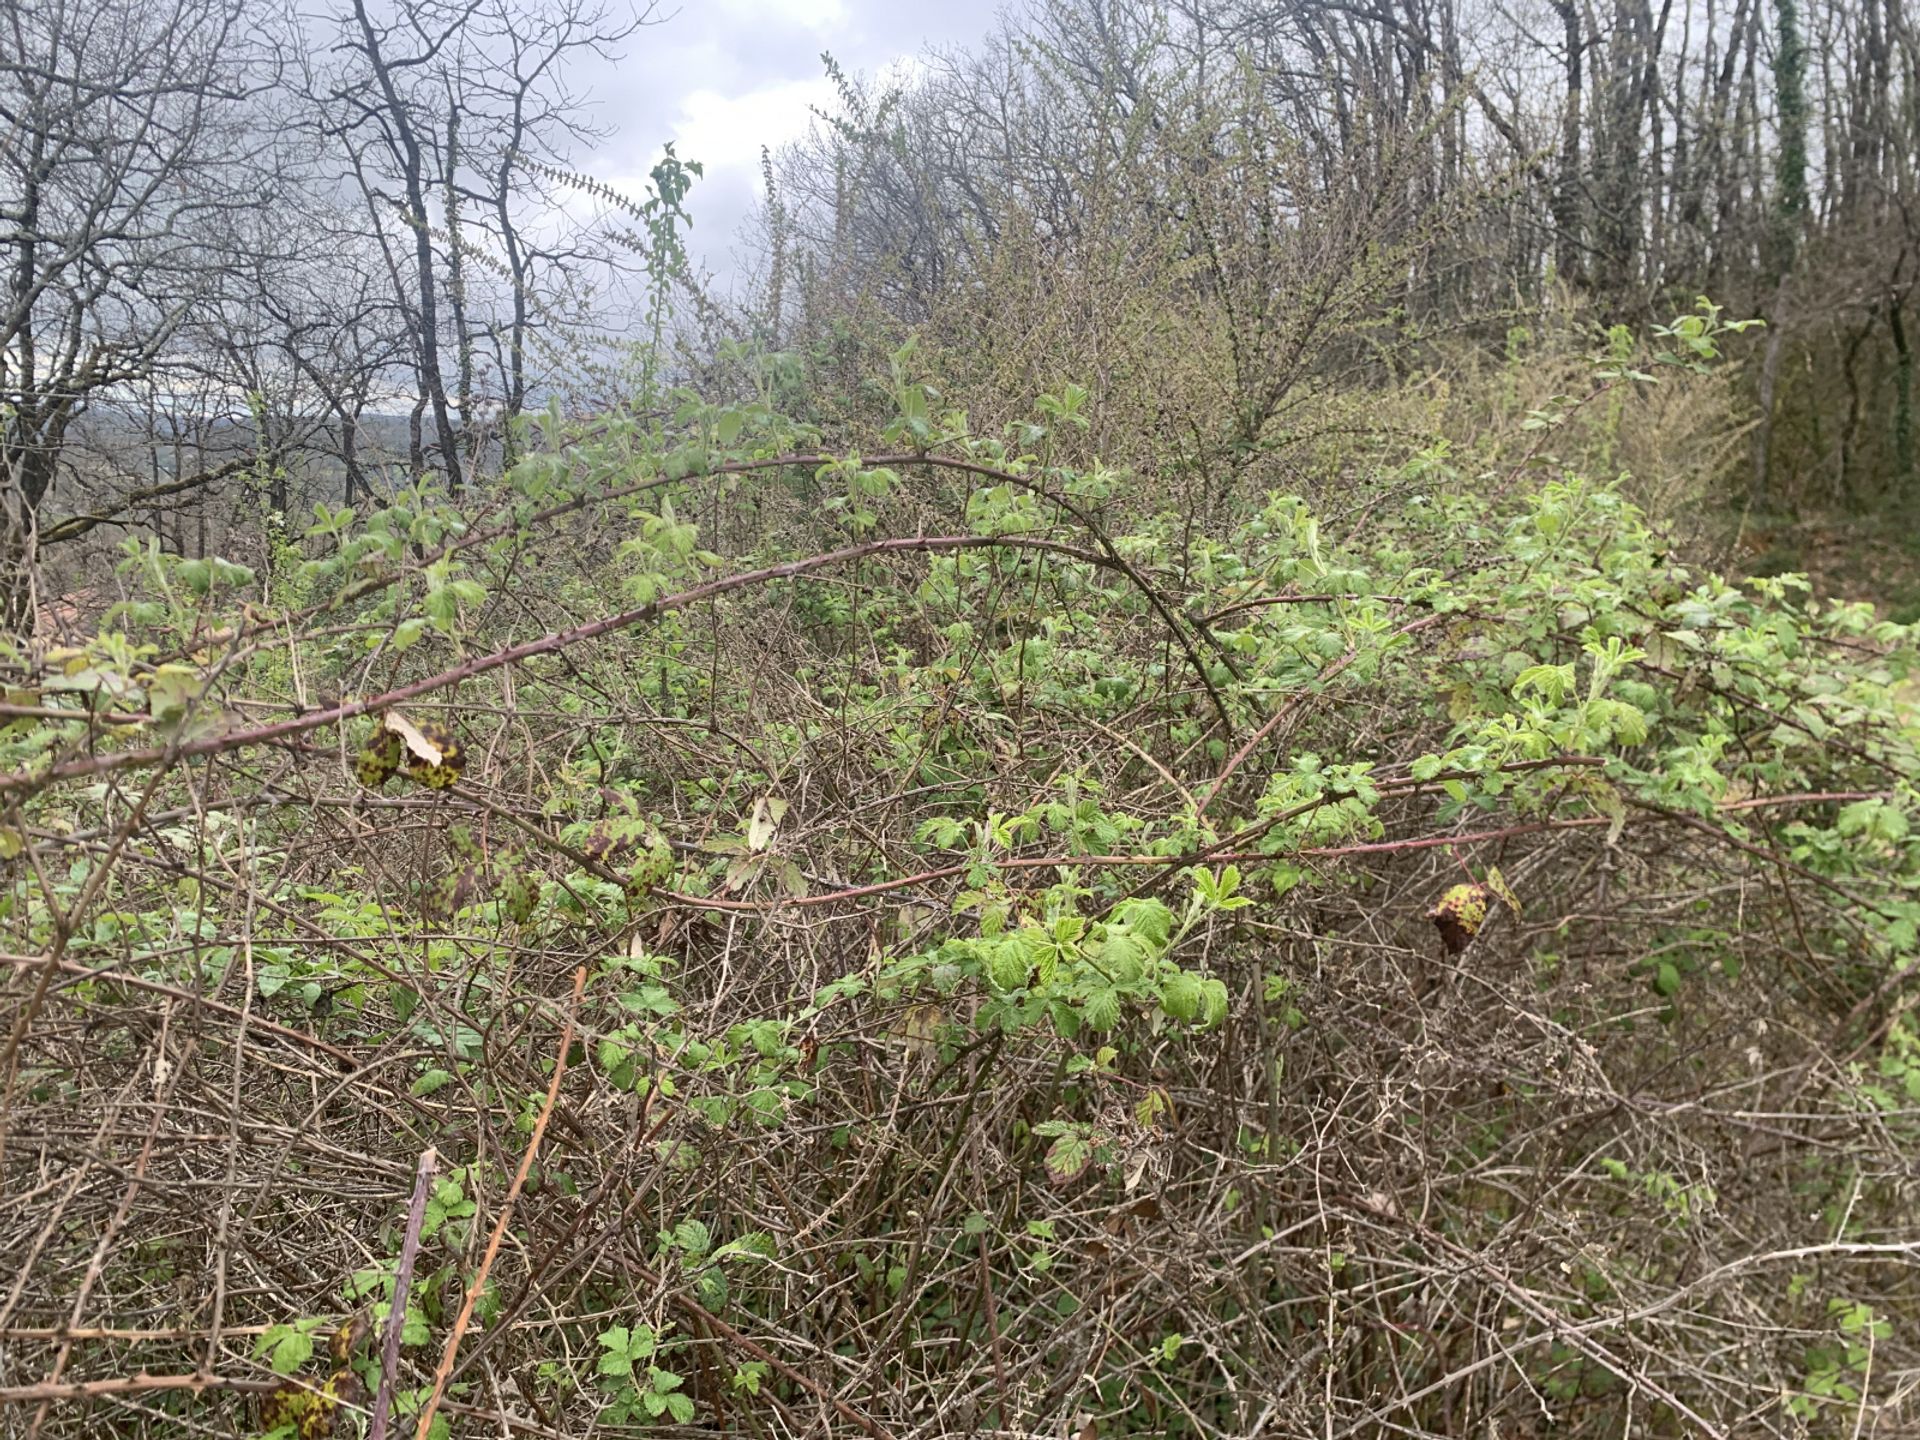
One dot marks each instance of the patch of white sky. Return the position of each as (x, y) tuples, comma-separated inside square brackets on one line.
[(720, 79)]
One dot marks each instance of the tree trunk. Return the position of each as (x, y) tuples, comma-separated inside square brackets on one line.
[(432, 382), (1760, 490), (1569, 259)]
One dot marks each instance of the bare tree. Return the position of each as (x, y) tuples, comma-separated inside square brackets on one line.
[(124, 159), (435, 109)]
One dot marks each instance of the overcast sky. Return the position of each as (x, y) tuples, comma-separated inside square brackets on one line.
[(720, 78)]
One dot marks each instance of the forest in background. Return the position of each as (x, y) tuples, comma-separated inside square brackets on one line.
[(259, 263), (1170, 775)]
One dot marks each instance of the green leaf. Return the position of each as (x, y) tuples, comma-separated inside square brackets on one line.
[(1214, 1002), (1068, 1157), (1551, 682), (693, 1237), (1101, 1010), (443, 608), (287, 1347), (1007, 967), (1182, 996), (615, 1362)]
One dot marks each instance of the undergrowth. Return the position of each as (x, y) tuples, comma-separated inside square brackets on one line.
[(925, 941)]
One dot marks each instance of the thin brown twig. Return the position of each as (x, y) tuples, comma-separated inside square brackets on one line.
[(479, 1282), (402, 1279)]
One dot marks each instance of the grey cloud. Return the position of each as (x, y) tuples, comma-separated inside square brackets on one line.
[(738, 49)]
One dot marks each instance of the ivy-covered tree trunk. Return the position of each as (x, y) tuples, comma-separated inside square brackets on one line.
[(1789, 214), (1568, 259), (1790, 160), (28, 453), (16, 572), (1906, 474)]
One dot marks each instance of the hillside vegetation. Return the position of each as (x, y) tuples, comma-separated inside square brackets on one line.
[(1177, 774), (935, 940)]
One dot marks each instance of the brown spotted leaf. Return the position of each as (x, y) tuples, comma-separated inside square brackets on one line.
[(379, 761), (1460, 914), (435, 756)]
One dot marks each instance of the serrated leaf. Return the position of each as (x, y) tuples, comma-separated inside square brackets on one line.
[(1100, 1010), (693, 1237), (290, 1351), (1007, 967), (1182, 996), (1068, 1157), (1214, 1002)]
